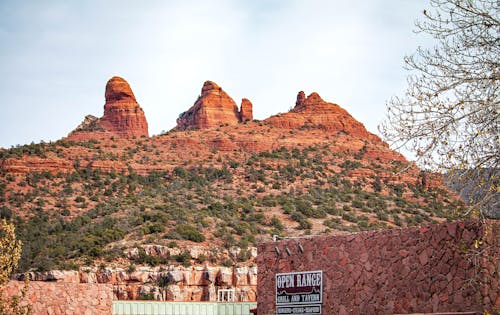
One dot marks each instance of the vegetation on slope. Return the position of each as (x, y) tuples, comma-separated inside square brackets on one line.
[(219, 200)]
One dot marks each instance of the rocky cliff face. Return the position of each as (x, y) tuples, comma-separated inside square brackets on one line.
[(246, 110), (122, 115), (173, 283), (212, 109), (314, 112)]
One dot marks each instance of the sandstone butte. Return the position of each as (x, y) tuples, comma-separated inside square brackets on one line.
[(214, 108), (312, 121), (123, 117), (313, 111)]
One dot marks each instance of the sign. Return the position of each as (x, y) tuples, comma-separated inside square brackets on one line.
[(299, 309), (299, 292)]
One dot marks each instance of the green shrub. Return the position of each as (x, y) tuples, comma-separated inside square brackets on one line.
[(189, 232), (304, 224), (243, 256), (307, 209), (146, 296), (184, 259), (150, 228), (260, 189), (397, 220), (350, 165), (80, 199), (131, 268), (227, 263), (377, 184), (349, 217), (382, 216), (5, 213), (276, 223), (356, 203), (332, 223)]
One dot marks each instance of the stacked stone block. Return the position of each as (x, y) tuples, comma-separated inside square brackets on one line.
[(65, 298), (440, 268)]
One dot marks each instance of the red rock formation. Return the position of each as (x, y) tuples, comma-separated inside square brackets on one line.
[(213, 109), (184, 283), (301, 99), (31, 164), (246, 111), (122, 115), (314, 112)]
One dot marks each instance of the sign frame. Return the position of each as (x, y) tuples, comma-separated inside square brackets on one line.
[(288, 278)]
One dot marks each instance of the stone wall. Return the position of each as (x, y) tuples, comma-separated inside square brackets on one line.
[(50, 298), (439, 268)]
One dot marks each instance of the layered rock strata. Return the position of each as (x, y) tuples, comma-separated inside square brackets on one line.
[(314, 112), (214, 108), (169, 283)]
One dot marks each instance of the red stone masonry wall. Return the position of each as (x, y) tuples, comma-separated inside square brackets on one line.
[(54, 298), (435, 268)]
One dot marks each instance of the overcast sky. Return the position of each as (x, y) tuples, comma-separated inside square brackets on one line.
[(56, 57)]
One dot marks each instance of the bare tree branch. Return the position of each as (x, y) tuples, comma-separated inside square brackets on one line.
[(450, 113)]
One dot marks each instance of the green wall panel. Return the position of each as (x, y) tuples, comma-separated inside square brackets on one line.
[(181, 308)]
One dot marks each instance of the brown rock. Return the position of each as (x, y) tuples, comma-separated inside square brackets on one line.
[(212, 109), (301, 99), (240, 276), (139, 276), (122, 115), (175, 276), (210, 293), (314, 112), (224, 277), (90, 123), (174, 293), (246, 110), (51, 163), (246, 294), (252, 275), (117, 89), (87, 276)]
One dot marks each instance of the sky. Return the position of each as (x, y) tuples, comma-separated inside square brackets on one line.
[(57, 55)]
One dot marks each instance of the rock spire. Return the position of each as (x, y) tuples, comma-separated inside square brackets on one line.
[(122, 115), (213, 108)]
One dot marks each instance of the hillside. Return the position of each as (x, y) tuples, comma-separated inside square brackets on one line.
[(108, 195)]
